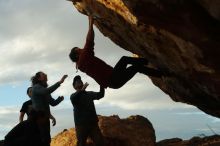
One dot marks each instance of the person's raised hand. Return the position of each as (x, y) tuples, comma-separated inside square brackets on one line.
[(85, 86), (61, 97), (63, 78)]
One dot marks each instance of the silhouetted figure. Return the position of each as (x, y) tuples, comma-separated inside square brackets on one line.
[(26, 133), (85, 117), (26, 107), (41, 96), (104, 74)]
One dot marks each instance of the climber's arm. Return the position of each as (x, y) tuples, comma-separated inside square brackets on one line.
[(89, 46)]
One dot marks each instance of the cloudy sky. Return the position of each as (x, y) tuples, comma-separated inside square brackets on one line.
[(36, 35)]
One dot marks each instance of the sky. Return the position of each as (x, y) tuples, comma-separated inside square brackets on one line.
[(38, 35)]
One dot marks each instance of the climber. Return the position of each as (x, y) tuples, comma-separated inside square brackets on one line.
[(104, 74), (41, 95), (85, 117)]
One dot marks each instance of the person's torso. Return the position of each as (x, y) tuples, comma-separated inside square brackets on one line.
[(96, 68), (84, 109), (27, 107), (40, 102)]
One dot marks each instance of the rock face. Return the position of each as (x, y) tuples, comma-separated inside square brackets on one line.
[(178, 36), (1, 142), (195, 141), (133, 131)]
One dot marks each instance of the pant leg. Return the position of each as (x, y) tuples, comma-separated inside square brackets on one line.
[(96, 136), (81, 135), (125, 60), (121, 77), (44, 129), (122, 74)]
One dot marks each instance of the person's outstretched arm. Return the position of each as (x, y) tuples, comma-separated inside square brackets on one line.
[(89, 45), (54, 102), (98, 95), (42, 90)]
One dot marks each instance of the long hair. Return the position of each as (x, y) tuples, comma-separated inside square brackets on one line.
[(35, 78)]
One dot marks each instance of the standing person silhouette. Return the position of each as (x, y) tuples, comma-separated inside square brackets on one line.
[(41, 95), (85, 117), (104, 74), (27, 106)]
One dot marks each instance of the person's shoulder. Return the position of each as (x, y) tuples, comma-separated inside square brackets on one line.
[(73, 95), (34, 87), (76, 94), (28, 102), (37, 86)]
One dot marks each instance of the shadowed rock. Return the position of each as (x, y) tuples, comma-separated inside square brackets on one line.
[(132, 131), (195, 141), (178, 36)]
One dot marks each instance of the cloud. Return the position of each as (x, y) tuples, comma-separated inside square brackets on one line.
[(9, 118), (164, 121), (137, 94), (140, 93), (191, 113), (37, 36), (8, 110)]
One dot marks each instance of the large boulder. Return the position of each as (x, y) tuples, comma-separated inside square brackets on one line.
[(177, 36), (132, 131)]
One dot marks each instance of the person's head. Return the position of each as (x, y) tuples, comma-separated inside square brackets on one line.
[(74, 54), (39, 78), (29, 91), (77, 83)]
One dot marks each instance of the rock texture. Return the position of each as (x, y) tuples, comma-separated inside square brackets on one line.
[(195, 141), (177, 36), (1, 142), (133, 131)]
